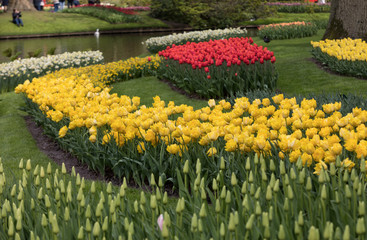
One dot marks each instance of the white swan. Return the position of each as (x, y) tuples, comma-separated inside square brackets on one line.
[(96, 33)]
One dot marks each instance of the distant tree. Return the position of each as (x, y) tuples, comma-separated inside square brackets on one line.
[(348, 18), (22, 5)]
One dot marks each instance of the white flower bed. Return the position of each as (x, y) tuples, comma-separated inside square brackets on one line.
[(157, 44), (16, 72)]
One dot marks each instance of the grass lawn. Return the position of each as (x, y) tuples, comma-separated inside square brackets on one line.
[(55, 23), (289, 17)]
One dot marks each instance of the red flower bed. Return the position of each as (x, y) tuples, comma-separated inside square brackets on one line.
[(219, 68), (231, 51)]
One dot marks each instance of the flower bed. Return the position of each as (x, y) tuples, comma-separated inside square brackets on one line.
[(299, 7), (48, 204), (156, 44), (287, 30), (110, 14), (16, 72), (345, 56), (219, 68)]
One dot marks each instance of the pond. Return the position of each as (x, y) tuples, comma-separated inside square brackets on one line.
[(113, 46)]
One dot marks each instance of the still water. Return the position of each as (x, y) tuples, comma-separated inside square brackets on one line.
[(114, 46)]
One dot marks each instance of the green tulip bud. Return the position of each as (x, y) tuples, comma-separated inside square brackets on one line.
[(82, 202), (202, 212), (250, 221), (323, 193), (222, 230), (112, 206), (73, 173), (21, 165), (347, 191), (88, 212), (136, 206), (62, 186), (361, 208), (153, 202), (286, 205), (328, 231), (200, 225), (233, 179), (258, 209), (49, 169), (346, 176), (290, 192), (281, 233), (297, 228), (81, 233), (109, 188), (160, 182), (252, 189), (313, 234), (142, 198), (42, 172), (276, 186), (272, 165), (194, 223), (222, 164), (302, 175), (36, 170), (13, 190), (126, 224), (18, 226), (55, 226), (186, 167), (28, 165), (10, 226), (165, 232), (263, 176), (198, 166), (21, 193), (32, 204), (47, 201), (286, 180), (93, 187), (66, 214), (231, 225), (248, 164), (40, 195), (167, 219), (363, 166), (165, 198), (105, 224), (251, 177), (122, 191), (332, 169), (152, 180), (269, 193), (178, 206), (158, 194), (337, 200), (228, 197), (44, 222), (223, 193), (124, 183), (37, 182), (360, 228), (17, 237), (309, 184), (322, 176), (63, 168), (293, 175), (346, 234), (182, 204), (244, 188), (88, 226), (78, 180), (217, 206), (96, 229)]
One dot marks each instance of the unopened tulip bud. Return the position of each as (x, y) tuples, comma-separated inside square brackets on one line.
[(40, 194), (165, 198), (346, 234), (96, 229), (93, 187), (122, 191), (63, 168), (309, 184), (44, 220), (49, 169), (10, 226), (286, 205), (250, 221), (313, 234), (290, 192), (231, 225), (21, 165), (88, 226), (217, 206), (222, 230), (152, 180), (276, 186), (28, 165), (105, 224), (251, 177), (142, 198), (81, 233), (323, 193), (186, 167), (269, 193), (300, 219), (281, 233), (66, 214), (165, 232), (47, 201), (347, 191), (222, 165), (228, 197), (202, 212), (272, 165), (36, 170), (363, 165), (167, 219), (109, 188), (258, 209), (361, 208), (55, 226), (265, 219), (360, 229), (233, 179), (153, 202), (282, 168), (160, 182), (131, 228)]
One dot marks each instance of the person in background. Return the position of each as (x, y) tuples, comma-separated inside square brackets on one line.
[(37, 4), (70, 3), (5, 4), (62, 4), (56, 5), (17, 17), (42, 5)]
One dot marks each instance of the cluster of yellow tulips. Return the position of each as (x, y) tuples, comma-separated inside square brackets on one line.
[(297, 129), (344, 49)]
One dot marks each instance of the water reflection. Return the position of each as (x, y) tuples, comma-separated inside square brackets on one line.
[(114, 46)]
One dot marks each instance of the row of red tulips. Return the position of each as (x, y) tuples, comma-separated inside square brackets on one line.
[(222, 64)]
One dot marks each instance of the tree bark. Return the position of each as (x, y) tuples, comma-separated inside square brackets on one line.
[(348, 18), (22, 5)]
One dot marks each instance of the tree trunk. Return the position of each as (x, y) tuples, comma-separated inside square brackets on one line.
[(348, 18), (22, 5)]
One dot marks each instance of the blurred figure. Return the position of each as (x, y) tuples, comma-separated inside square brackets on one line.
[(5, 4), (62, 4), (70, 3), (17, 17), (56, 5)]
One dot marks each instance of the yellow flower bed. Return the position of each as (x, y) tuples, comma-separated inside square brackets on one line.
[(298, 129), (344, 49)]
